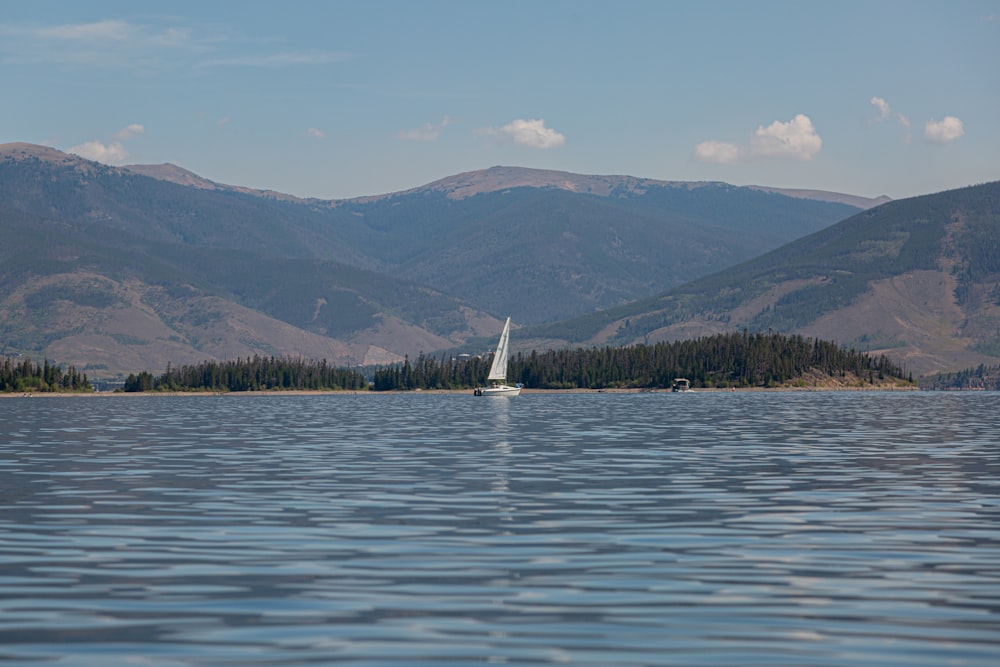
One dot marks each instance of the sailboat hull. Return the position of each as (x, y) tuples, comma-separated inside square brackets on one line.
[(500, 390)]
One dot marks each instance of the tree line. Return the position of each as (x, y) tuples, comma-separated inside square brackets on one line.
[(986, 378), (250, 374), (26, 376), (722, 360)]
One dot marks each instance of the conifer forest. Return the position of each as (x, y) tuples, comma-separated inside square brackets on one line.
[(27, 376), (724, 360)]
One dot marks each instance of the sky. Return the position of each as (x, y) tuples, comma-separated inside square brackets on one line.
[(337, 99)]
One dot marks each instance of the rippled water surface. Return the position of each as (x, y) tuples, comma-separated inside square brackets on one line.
[(770, 529)]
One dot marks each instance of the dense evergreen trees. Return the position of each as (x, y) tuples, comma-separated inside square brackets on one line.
[(724, 360), (983, 377), (25, 376), (250, 374), (430, 373)]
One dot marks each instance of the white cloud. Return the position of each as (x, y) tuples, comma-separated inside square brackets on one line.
[(315, 133), (882, 106), (130, 132), (426, 132), (943, 131), (797, 139), (885, 112), (719, 152), (112, 153), (531, 133)]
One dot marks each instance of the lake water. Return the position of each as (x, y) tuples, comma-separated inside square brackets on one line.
[(772, 529)]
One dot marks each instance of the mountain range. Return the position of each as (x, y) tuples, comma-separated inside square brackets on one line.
[(118, 269)]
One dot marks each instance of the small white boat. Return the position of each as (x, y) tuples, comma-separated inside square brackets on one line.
[(498, 371), (681, 384)]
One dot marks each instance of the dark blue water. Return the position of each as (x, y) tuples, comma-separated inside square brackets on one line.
[(773, 529)]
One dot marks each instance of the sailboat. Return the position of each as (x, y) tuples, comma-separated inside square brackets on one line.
[(498, 371)]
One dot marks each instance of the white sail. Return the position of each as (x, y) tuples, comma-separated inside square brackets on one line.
[(498, 371)]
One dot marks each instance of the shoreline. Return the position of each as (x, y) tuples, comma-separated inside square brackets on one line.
[(456, 392)]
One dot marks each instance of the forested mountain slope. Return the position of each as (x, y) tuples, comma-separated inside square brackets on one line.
[(917, 278), (116, 270), (571, 243)]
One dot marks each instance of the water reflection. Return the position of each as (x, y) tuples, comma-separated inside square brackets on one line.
[(778, 529), (502, 453)]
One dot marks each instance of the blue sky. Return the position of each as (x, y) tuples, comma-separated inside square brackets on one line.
[(341, 99)]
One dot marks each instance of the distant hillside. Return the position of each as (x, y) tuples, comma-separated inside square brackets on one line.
[(918, 279), (544, 254), (574, 243), (128, 268), (116, 302), (113, 271)]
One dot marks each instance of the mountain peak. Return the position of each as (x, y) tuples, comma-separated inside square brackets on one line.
[(24, 151), (497, 178)]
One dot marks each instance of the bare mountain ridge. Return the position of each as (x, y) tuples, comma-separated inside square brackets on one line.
[(458, 186), (863, 203), (499, 178), (174, 174)]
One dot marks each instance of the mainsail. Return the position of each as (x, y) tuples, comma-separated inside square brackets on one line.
[(498, 371)]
